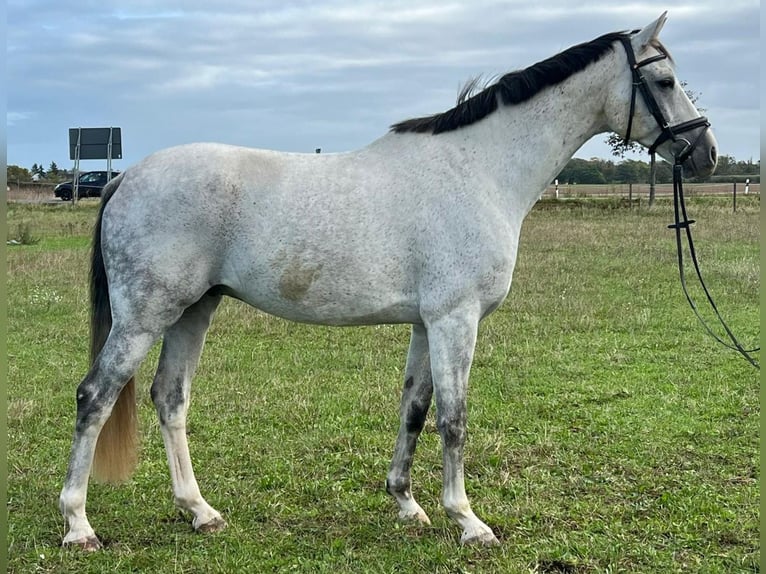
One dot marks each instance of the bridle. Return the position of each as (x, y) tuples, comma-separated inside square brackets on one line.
[(681, 149)]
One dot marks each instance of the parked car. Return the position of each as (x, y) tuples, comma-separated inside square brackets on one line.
[(90, 185)]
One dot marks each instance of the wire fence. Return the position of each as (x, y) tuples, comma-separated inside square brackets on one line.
[(641, 190)]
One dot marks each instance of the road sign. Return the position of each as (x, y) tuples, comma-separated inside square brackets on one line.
[(95, 143)]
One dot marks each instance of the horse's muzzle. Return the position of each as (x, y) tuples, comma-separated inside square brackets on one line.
[(703, 158)]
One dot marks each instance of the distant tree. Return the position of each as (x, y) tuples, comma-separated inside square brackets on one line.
[(749, 167), (632, 171), (581, 171), (743, 168), (590, 174), (664, 173), (730, 169), (606, 167), (53, 170), (38, 170), (16, 173), (726, 165)]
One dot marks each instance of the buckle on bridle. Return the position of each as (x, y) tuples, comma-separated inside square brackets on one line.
[(681, 148)]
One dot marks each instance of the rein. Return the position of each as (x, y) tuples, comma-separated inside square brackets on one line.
[(681, 221), (681, 149)]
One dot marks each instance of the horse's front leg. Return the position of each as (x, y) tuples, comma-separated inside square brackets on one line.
[(416, 398), (451, 342)]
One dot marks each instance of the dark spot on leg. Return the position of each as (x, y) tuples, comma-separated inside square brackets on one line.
[(88, 404), (416, 417), (452, 429), (418, 407)]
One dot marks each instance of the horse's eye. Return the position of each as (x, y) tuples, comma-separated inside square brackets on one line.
[(666, 83)]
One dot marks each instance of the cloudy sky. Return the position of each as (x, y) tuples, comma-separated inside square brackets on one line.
[(296, 75)]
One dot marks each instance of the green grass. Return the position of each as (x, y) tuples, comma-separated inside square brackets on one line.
[(607, 432)]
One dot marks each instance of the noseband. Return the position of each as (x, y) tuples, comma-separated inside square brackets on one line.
[(682, 148)]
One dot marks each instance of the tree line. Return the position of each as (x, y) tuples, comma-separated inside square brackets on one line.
[(584, 171), (598, 171), (37, 172)]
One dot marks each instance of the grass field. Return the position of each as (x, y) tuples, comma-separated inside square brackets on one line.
[(607, 432)]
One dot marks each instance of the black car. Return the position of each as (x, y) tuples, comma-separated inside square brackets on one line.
[(91, 184)]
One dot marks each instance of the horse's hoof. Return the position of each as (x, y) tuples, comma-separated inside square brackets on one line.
[(88, 544), (215, 525), (486, 538)]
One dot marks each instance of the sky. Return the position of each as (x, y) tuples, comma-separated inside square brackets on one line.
[(299, 75)]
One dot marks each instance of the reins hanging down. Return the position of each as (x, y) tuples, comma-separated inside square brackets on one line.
[(681, 221)]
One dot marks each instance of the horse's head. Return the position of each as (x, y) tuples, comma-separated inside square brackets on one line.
[(654, 109)]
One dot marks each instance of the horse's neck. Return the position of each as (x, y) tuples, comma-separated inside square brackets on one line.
[(524, 146)]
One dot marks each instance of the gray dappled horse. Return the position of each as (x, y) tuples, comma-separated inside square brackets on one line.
[(421, 227)]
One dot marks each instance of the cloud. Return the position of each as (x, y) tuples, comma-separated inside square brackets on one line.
[(285, 74), (13, 118)]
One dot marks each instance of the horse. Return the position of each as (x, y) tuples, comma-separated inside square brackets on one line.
[(419, 227)]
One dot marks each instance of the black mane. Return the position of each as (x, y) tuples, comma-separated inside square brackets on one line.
[(512, 88)]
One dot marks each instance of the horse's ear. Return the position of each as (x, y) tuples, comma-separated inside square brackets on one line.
[(651, 32)]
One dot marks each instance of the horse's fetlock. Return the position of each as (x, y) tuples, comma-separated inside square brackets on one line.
[(456, 507), (397, 485), (69, 501)]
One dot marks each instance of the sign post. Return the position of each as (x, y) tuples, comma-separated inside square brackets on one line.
[(93, 143)]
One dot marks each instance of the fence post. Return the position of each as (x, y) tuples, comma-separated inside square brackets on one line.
[(735, 197)]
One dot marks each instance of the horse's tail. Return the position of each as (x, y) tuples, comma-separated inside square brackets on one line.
[(115, 457)]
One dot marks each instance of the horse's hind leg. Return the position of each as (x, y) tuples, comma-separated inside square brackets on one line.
[(181, 349), (416, 398), (96, 396)]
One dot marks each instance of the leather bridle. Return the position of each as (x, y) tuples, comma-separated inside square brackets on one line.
[(682, 147)]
